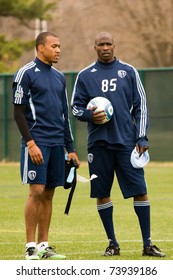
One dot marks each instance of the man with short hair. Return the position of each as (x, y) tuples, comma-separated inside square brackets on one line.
[(41, 114), (110, 145)]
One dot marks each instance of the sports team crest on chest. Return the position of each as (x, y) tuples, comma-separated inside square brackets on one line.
[(122, 73)]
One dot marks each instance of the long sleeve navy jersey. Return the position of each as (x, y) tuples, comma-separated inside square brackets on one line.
[(42, 89), (120, 83)]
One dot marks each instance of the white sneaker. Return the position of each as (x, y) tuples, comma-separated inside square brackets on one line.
[(49, 253), (31, 254)]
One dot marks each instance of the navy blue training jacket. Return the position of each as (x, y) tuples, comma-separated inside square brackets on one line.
[(121, 84), (42, 88)]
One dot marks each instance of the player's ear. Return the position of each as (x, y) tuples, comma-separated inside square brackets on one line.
[(40, 48)]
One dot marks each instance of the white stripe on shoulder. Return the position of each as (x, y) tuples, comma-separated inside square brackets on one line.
[(22, 70), (74, 88), (57, 70), (89, 66)]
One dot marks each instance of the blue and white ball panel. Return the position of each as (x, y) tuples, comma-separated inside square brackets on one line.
[(102, 103)]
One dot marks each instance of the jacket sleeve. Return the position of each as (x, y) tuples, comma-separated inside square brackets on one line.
[(80, 100), (20, 101), (140, 111), (68, 137)]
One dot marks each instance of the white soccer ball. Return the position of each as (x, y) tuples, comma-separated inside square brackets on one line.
[(102, 103)]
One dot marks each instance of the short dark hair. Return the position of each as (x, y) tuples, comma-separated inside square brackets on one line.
[(41, 38)]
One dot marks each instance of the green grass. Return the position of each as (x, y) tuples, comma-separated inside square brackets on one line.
[(80, 234)]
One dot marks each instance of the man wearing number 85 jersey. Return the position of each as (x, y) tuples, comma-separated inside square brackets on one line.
[(110, 145)]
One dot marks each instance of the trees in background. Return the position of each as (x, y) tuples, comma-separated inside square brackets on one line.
[(143, 30), (26, 12), (147, 28)]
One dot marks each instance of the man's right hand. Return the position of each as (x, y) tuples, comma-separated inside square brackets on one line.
[(35, 153), (98, 116)]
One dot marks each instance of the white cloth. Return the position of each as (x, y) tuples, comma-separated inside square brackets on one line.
[(139, 161), (85, 180)]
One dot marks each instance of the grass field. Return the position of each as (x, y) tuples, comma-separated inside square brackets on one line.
[(80, 235)]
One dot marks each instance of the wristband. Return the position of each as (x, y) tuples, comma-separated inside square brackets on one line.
[(30, 144)]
